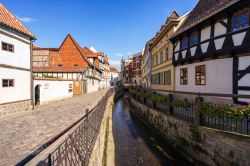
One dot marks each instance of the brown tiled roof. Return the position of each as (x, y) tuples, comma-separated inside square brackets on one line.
[(172, 18), (8, 19), (204, 10)]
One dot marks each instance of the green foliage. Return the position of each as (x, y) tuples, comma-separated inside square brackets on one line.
[(235, 112), (156, 98), (181, 103), (46, 76)]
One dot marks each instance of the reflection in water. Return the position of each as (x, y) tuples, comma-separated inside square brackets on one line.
[(135, 144)]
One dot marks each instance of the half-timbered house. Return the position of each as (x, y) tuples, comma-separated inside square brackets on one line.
[(63, 72), (15, 63), (212, 48)]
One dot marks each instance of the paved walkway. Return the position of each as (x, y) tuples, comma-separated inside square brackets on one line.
[(24, 132)]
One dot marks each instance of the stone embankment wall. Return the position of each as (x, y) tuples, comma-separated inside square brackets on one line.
[(98, 150), (205, 145), (14, 107)]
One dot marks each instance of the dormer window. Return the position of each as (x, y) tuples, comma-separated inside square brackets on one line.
[(59, 65), (184, 43), (194, 39), (75, 65), (240, 20)]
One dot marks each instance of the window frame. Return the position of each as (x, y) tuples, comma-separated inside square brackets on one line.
[(195, 34), (239, 15), (199, 74), (182, 41), (8, 47), (8, 86), (184, 78)]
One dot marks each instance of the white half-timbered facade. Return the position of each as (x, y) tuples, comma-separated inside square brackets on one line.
[(212, 48), (15, 63)]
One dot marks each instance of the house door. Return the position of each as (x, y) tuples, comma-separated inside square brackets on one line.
[(37, 95), (77, 88)]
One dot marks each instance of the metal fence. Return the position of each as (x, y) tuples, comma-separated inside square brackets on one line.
[(220, 115), (77, 147)]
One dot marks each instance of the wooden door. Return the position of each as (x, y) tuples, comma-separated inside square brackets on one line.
[(77, 88)]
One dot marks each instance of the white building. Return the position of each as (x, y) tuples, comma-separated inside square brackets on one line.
[(63, 72), (114, 76), (15, 63), (211, 52)]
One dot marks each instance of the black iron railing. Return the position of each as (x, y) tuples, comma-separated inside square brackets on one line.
[(192, 107), (77, 147)]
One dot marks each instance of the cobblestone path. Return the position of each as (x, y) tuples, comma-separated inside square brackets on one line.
[(20, 134)]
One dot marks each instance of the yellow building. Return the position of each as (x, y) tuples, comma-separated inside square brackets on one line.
[(162, 76)]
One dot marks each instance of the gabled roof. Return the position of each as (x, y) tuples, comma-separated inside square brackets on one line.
[(89, 53), (114, 70), (173, 19), (9, 20), (106, 59), (78, 47), (69, 55), (204, 10)]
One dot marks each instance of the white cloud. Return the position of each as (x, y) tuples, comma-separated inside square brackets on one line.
[(26, 19), (119, 54), (115, 63)]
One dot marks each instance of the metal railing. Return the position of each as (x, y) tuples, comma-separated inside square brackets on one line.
[(77, 147), (205, 109)]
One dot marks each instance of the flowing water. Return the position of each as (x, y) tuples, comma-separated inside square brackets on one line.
[(136, 145)]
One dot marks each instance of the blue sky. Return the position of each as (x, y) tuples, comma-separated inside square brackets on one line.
[(116, 27)]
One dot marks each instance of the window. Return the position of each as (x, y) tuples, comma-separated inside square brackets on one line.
[(240, 20), (184, 43), (75, 65), (200, 75), (7, 83), (162, 78), (166, 54), (157, 61), (167, 77), (184, 76), (59, 65), (193, 39), (7, 47), (161, 57)]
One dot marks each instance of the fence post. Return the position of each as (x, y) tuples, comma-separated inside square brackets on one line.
[(87, 129), (49, 160), (197, 111), (170, 99)]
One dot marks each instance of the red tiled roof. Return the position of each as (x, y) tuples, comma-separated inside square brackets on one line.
[(113, 69), (204, 10), (106, 58), (89, 53), (35, 47), (69, 55), (8, 19)]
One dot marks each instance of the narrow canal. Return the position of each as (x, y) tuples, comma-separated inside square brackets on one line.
[(135, 145)]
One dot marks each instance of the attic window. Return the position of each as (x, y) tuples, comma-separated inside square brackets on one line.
[(59, 65), (75, 65)]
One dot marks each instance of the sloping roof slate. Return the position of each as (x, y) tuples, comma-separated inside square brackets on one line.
[(8, 19), (204, 10)]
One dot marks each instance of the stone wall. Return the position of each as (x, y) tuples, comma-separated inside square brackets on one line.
[(205, 145), (6, 109)]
